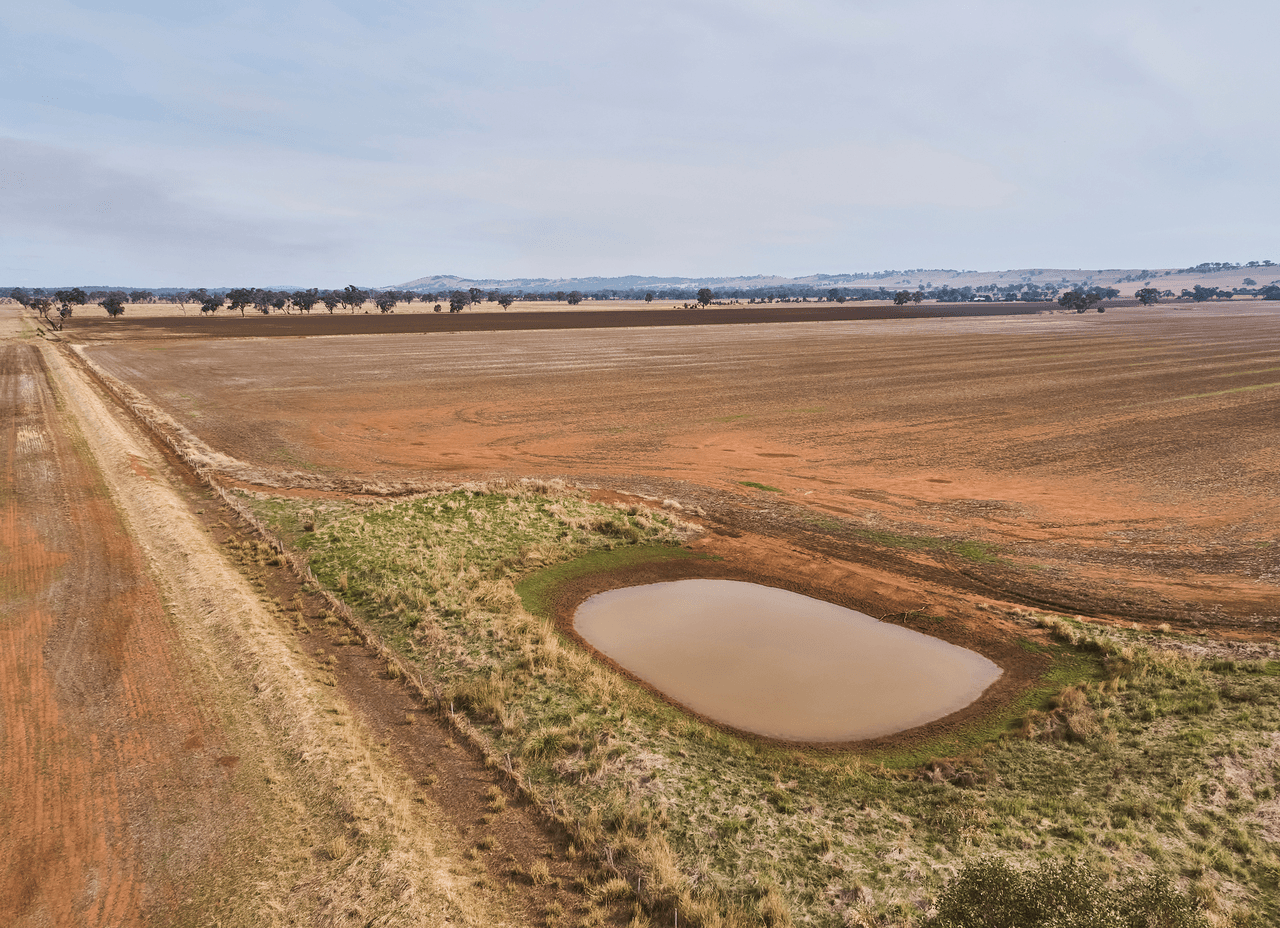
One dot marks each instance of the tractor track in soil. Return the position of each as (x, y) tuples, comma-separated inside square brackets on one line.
[(104, 754)]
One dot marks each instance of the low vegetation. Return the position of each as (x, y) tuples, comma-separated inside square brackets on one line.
[(1141, 760)]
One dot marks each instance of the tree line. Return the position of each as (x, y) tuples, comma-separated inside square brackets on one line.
[(58, 306)]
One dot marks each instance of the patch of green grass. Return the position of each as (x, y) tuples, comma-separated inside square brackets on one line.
[(1113, 758), (1069, 667), (759, 486), (536, 589), (975, 551), (1256, 386), (828, 523)]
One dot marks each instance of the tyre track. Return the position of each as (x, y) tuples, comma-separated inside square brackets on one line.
[(222, 804), (61, 666)]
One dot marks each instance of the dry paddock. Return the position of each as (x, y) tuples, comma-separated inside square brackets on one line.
[(1120, 464)]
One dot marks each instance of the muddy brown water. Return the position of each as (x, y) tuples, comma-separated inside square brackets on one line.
[(779, 664)]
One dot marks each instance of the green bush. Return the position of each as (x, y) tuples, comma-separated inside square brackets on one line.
[(989, 893)]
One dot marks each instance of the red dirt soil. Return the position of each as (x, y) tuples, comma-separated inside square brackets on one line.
[(115, 798), (1120, 465)]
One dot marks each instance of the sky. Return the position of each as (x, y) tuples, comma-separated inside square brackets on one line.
[(325, 142)]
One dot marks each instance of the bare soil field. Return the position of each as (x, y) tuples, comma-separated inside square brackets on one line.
[(1120, 465)]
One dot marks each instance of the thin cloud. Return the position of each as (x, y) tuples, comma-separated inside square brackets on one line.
[(387, 141)]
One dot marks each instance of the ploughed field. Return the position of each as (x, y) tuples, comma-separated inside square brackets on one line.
[(1120, 465)]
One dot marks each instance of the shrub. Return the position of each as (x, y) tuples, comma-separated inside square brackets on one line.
[(989, 893)]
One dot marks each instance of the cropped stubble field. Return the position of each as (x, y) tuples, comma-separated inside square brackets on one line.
[(1125, 459)]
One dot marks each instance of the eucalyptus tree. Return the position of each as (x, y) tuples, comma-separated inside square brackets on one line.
[(67, 301), (352, 297), (306, 300), (114, 302)]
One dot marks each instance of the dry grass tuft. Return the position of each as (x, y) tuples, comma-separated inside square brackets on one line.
[(539, 873), (337, 848)]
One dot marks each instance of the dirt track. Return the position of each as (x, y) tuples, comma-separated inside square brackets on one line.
[(1116, 465), (115, 802), (180, 766)]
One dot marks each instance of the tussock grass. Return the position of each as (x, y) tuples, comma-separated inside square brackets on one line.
[(1128, 757)]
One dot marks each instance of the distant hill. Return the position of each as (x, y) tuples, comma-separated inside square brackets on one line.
[(1126, 280)]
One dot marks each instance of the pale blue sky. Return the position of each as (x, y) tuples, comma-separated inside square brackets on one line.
[(321, 143)]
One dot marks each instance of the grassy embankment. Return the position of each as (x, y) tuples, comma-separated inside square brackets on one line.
[(1128, 757)]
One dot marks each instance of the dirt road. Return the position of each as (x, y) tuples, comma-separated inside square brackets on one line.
[(167, 752), (114, 803)]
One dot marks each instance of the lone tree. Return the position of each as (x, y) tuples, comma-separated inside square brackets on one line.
[(574, 298), (210, 303), (330, 300), (648, 297), (67, 301), (113, 303), (705, 296), (191, 296), (505, 300), (1148, 296), (386, 301), (458, 301), (43, 305), (1079, 300)]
